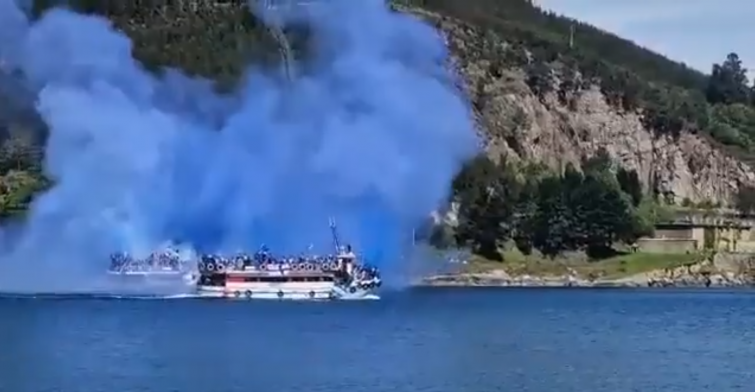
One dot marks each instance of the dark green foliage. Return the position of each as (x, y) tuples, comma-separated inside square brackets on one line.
[(630, 184), (214, 39), (673, 97), (553, 213), (548, 34), (728, 82), (20, 171), (552, 222), (540, 79), (744, 199), (485, 192)]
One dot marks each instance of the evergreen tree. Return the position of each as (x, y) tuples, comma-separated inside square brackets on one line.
[(483, 191), (728, 83), (629, 181), (553, 213), (744, 199), (551, 224)]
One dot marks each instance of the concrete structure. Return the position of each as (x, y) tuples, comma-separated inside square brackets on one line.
[(696, 231)]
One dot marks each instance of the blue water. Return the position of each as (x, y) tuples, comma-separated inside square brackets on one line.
[(474, 340)]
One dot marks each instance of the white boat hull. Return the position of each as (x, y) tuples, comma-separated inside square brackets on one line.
[(284, 291)]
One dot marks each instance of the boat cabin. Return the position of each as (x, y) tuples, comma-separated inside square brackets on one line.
[(221, 280)]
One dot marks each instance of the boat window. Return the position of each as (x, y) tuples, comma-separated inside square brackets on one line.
[(212, 280), (274, 279), (284, 279)]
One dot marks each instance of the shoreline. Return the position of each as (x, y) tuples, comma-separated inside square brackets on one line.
[(722, 270), (646, 280)]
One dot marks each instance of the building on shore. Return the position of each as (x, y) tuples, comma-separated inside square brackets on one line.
[(698, 232)]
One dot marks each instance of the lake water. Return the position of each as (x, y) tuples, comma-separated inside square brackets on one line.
[(433, 340)]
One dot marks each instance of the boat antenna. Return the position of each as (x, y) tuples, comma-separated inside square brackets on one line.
[(334, 232)]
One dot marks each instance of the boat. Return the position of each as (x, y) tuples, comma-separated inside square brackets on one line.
[(265, 276), (166, 266), (339, 277)]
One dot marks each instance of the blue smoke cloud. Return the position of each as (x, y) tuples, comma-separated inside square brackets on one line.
[(371, 133)]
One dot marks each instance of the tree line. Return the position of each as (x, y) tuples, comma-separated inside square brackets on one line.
[(538, 209)]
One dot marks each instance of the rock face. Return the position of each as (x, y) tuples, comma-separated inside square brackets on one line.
[(688, 167), (546, 129)]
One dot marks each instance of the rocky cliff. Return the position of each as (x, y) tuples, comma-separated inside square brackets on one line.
[(556, 128)]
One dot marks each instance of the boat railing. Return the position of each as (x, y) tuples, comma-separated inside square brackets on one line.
[(212, 263), (260, 262), (285, 265)]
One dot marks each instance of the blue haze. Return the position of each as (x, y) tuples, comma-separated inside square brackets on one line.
[(371, 135)]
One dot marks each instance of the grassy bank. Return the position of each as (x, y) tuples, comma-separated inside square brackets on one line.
[(615, 267)]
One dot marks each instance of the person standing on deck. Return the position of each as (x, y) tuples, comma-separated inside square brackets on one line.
[(347, 259)]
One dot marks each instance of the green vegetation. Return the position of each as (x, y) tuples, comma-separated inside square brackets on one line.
[(744, 199), (211, 40), (20, 172), (614, 267), (565, 55), (550, 212)]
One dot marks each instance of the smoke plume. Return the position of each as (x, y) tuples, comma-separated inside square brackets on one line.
[(370, 134)]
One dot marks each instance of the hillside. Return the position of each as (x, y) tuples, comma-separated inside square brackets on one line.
[(546, 90), (688, 135)]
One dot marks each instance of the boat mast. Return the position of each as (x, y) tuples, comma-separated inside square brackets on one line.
[(334, 232)]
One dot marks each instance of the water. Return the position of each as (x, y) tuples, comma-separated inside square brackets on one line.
[(420, 341)]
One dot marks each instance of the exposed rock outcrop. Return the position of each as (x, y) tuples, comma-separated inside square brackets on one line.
[(556, 131), (688, 167), (724, 270)]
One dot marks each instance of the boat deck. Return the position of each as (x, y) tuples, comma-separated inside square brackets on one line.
[(262, 273)]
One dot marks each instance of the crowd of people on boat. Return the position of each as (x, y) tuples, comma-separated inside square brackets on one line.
[(169, 259), (264, 260)]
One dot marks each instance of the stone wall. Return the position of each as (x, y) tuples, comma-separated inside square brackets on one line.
[(655, 245)]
